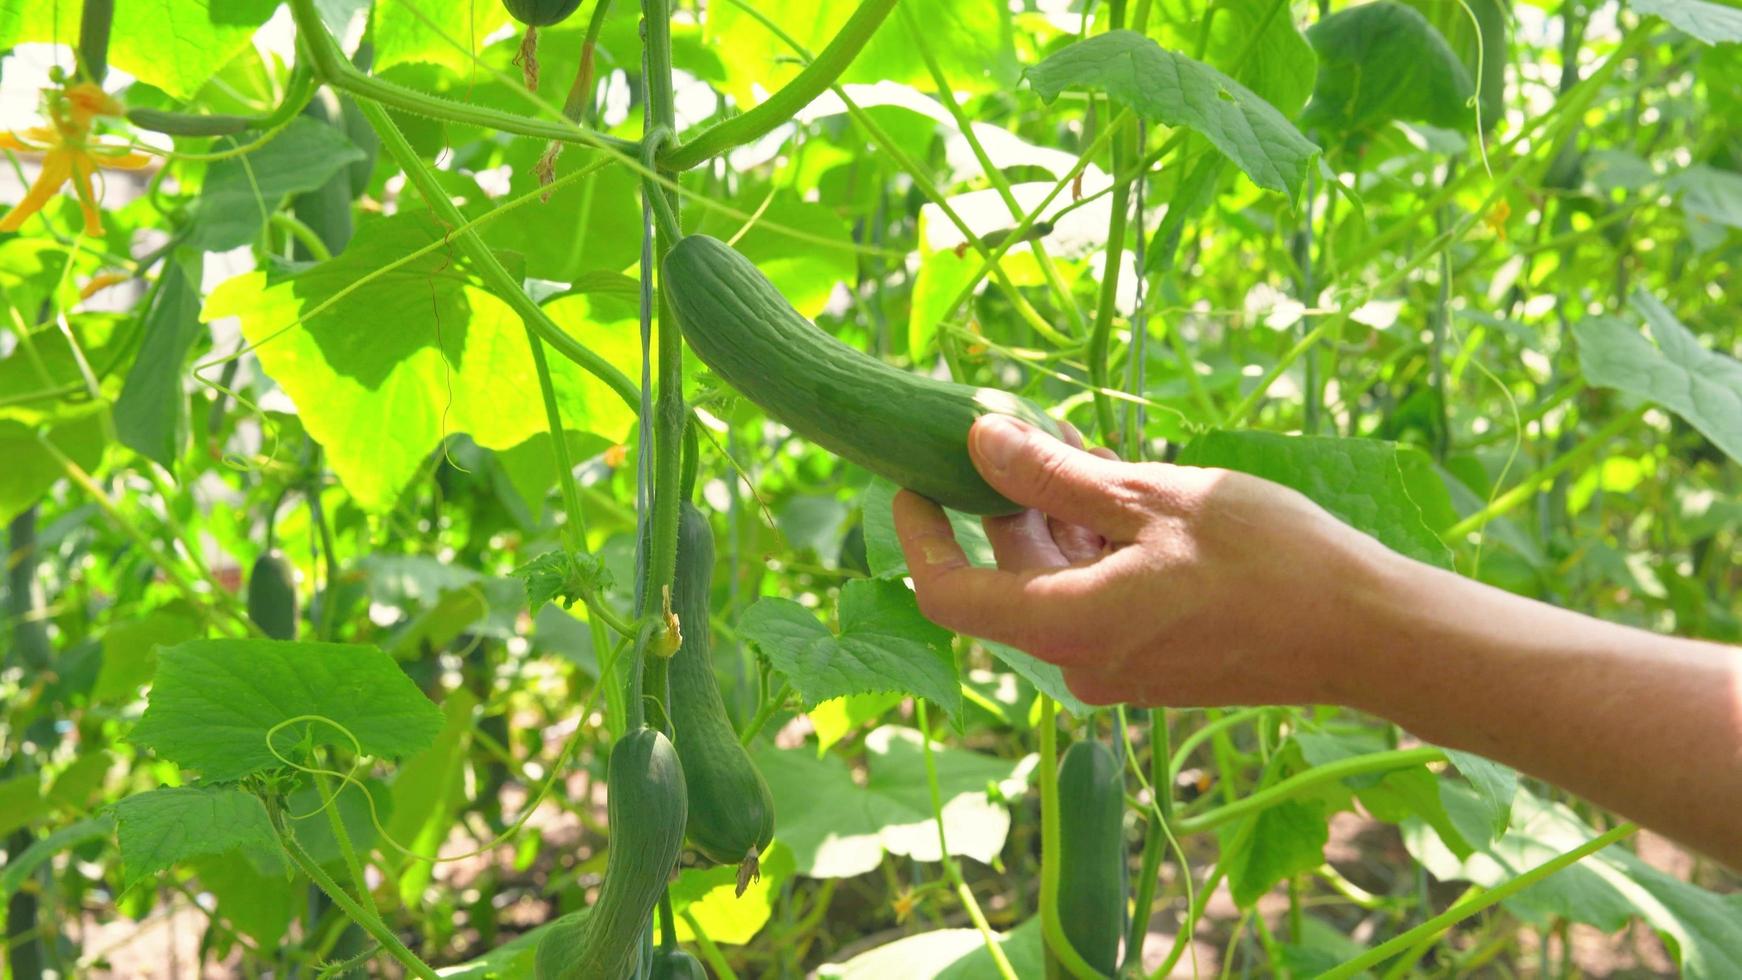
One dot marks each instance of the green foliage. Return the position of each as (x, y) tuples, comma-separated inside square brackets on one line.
[(1508, 352)]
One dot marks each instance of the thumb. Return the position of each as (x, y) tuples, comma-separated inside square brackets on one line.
[(1036, 470)]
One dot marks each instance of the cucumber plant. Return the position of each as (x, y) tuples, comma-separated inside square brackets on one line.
[(540, 721)]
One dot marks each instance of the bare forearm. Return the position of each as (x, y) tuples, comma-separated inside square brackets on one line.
[(1649, 726)]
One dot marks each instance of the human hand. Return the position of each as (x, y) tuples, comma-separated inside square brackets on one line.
[(1148, 583)]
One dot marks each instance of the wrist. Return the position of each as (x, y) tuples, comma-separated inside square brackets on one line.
[(1356, 654)]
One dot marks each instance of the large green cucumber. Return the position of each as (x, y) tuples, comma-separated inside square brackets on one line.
[(731, 810), (909, 428), (272, 596), (646, 810), (1092, 852)]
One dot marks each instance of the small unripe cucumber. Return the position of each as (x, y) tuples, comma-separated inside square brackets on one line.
[(903, 426), (731, 817), (272, 596), (646, 810), (541, 13), (675, 964), (1092, 852)]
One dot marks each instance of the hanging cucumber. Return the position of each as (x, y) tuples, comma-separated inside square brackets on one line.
[(906, 427), (675, 964), (731, 816), (646, 811), (540, 13), (272, 596), (1092, 852)]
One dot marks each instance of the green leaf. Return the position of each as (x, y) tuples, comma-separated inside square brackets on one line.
[(151, 413), (1047, 678), (1702, 929), (21, 802), (838, 828), (160, 828), (711, 895), (1170, 88), (448, 33), (805, 271), (837, 718), (130, 651), (1290, 838), (1496, 786), (178, 45), (957, 954), (1380, 62), (1710, 195), (380, 376), (30, 468), (1476, 31), (1712, 23), (20, 866), (1358, 480), (215, 700), (260, 905), (428, 790), (972, 42), (1279, 63), (513, 959), (884, 644), (883, 548), (1702, 386), (239, 193), (559, 575), (586, 233)]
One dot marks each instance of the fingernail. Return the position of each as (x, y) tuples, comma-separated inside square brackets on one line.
[(998, 439)]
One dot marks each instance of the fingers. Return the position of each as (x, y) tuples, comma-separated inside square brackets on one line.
[(1023, 541), (1037, 610), (1036, 470)]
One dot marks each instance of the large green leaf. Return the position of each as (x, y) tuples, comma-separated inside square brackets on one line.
[(1606, 889), (176, 45), (1168, 87), (1358, 480), (1380, 62), (884, 644), (1702, 386), (1289, 838), (1275, 61), (159, 828), (30, 468), (838, 828), (216, 701), (945, 954), (151, 413), (382, 374), (240, 192), (1713, 23), (971, 40), (448, 33)]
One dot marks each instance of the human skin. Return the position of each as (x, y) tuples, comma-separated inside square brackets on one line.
[(1156, 584)]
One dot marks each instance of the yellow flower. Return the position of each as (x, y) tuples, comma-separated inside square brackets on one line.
[(69, 153)]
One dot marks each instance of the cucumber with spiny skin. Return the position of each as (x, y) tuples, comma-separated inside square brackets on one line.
[(903, 426), (540, 13), (272, 602), (1091, 898), (645, 811), (731, 811)]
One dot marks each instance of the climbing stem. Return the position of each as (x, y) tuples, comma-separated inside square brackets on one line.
[(1306, 781), (779, 108), (333, 68)]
